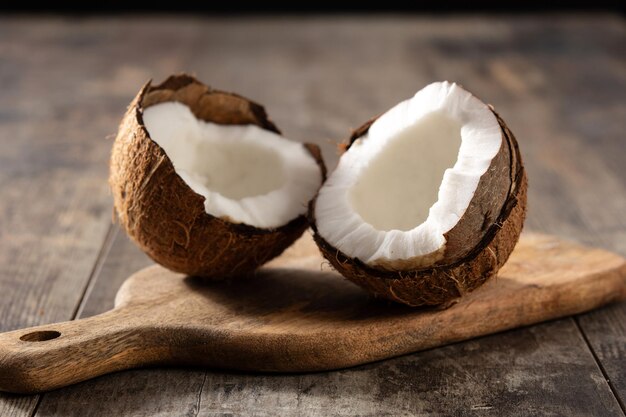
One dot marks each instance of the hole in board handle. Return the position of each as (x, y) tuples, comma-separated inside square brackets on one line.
[(40, 336)]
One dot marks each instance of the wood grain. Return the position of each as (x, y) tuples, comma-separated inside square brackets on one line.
[(54, 205), (559, 82), (292, 317)]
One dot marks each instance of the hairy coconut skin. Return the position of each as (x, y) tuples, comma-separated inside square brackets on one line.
[(163, 215), (476, 248)]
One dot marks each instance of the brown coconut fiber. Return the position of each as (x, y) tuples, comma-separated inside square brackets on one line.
[(476, 248), (163, 215)]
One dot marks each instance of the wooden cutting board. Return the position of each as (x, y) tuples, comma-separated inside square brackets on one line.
[(297, 315)]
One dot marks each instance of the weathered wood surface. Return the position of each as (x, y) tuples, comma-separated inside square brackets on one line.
[(294, 317), (559, 82)]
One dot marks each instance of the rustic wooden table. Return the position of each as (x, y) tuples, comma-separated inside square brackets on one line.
[(559, 81)]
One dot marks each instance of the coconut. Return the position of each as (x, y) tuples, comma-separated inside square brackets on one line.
[(427, 201), (204, 182)]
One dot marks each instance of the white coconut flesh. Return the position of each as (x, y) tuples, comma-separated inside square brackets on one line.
[(405, 183), (245, 173)]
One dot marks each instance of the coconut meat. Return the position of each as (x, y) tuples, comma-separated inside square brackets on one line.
[(245, 173), (406, 182)]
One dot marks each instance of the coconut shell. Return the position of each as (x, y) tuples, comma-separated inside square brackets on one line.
[(163, 215), (476, 248)]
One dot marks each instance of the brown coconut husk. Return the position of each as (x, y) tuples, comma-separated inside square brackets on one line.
[(163, 215), (476, 248)]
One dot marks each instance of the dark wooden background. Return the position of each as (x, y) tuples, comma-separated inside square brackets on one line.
[(559, 81)]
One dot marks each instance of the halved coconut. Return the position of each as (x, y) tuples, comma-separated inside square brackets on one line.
[(205, 184), (428, 200)]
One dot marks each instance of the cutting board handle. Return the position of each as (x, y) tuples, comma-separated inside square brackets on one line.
[(55, 355)]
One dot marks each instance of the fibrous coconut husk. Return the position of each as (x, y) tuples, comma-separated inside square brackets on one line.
[(163, 215)]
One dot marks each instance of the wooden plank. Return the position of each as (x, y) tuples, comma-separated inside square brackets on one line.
[(603, 178), (122, 258), (318, 76), (54, 205), (17, 405), (582, 166), (605, 331)]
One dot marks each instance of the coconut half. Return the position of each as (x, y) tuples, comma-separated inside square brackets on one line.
[(204, 182), (428, 200)]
